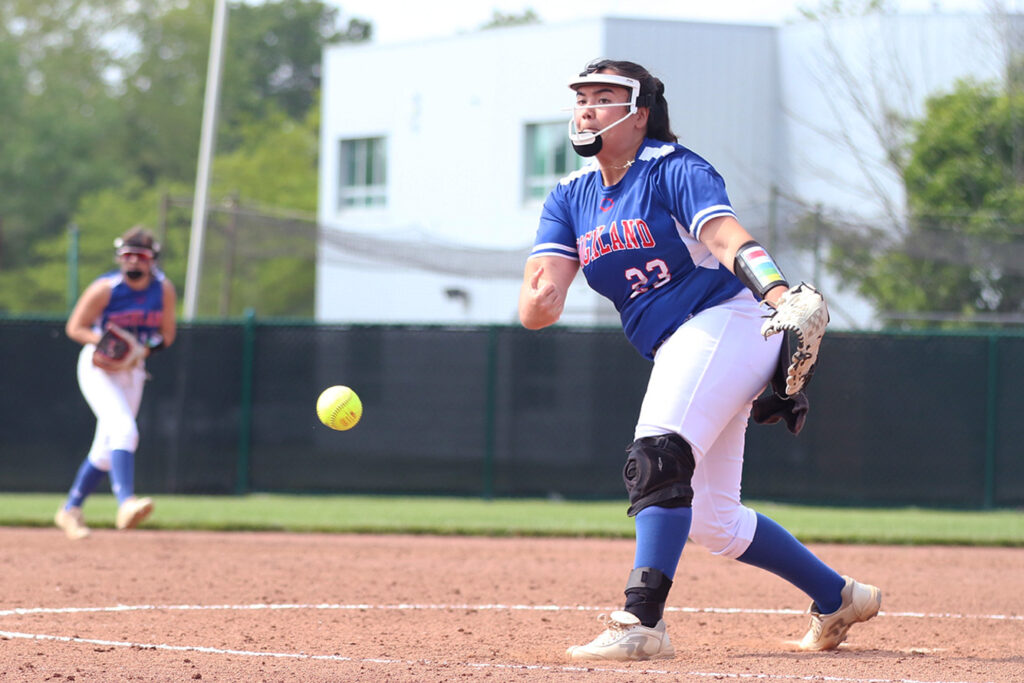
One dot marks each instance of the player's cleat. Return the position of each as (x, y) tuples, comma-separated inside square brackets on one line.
[(71, 522), (860, 602), (132, 511), (625, 639)]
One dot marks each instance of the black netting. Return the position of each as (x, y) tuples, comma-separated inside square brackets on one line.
[(895, 419)]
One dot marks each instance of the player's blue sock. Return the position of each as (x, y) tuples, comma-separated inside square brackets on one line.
[(660, 536), (776, 550), (86, 481), (122, 474)]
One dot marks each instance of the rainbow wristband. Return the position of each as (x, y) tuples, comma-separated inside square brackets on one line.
[(756, 269)]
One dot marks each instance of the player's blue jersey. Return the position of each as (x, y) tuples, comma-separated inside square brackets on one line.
[(139, 311), (637, 241)]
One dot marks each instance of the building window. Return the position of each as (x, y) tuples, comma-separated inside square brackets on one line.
[(363, 177), (549, 158)]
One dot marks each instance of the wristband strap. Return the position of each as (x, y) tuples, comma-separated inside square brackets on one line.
[(756, 269), (155, 343)]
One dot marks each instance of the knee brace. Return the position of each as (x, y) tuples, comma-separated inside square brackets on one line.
[(658, 472)]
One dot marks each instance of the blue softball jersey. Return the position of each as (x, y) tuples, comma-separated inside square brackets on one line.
[(139, 312), (638, 240)]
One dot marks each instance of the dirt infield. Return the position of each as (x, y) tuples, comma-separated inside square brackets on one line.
[(177, 606)]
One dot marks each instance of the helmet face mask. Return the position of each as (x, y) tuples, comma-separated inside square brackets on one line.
[(586, 143), (143, 253), (144, 250)]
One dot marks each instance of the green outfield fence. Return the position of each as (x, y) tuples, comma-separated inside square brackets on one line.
[(498, 411)]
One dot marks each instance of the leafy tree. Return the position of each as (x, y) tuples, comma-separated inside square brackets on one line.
[(271, 64), (256, 256), (275, 50), (57, 110), (163, 99), (962, 252), (101, 216), (100, 105)]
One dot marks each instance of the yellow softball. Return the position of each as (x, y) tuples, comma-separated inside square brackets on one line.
[(339, 407)]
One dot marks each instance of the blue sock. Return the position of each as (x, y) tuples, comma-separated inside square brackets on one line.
[(122, 474), (86, 480), (660, 537), (777, 551)]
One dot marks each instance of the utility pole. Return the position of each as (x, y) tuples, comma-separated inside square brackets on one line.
[(214, 69)]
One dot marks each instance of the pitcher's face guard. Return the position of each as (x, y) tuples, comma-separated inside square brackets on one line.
[(588, 143)]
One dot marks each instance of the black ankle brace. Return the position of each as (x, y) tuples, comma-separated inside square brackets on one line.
[(646, 592)]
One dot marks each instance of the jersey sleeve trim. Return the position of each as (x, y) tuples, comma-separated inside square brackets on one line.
[(707, 214), (554, 249)]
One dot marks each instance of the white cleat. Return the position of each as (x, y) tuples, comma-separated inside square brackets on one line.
[(625, 639), (133, 511), (71, 521), (860, 602)]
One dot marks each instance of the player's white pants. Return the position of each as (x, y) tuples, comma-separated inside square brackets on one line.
[(705, 377), (114, 398)]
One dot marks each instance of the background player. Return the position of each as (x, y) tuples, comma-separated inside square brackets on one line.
[(652, 227), (141, 299)]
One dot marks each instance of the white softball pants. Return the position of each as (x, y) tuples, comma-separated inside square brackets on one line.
[(704, 380), (114, 398)]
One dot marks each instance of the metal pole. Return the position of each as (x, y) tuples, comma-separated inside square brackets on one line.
[(72, 266), (242, 474), (490, 412), (214, 68), (991, 423)]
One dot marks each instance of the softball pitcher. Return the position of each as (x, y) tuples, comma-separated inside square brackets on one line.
[(123, 317), (651, 226)]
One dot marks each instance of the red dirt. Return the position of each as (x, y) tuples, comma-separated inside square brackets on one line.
[(286, 607)]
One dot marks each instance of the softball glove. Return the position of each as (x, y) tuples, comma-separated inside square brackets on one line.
[(802, 315), (117, 349)]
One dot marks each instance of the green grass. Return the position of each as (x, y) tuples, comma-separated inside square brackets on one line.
[(470, 516)]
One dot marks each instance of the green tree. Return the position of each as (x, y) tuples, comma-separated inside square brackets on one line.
[(58, 107), (271, 64), (100, 107), (257, 255), (961, 254), (274, 55), (101, 216)]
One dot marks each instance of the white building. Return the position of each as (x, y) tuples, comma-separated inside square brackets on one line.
[(436, 155)]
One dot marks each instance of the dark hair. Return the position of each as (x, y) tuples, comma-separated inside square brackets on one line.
[(651, 95), (138, 236)]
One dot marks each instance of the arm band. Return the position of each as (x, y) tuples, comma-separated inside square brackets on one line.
[(756, 269)]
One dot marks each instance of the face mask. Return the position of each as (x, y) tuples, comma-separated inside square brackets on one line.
[(587, 144), (587, 149)]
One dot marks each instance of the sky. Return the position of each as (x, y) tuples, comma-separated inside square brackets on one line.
[(407, 20)]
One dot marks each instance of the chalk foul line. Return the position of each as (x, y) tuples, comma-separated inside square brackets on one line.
[(448, 664), (19, 611)]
